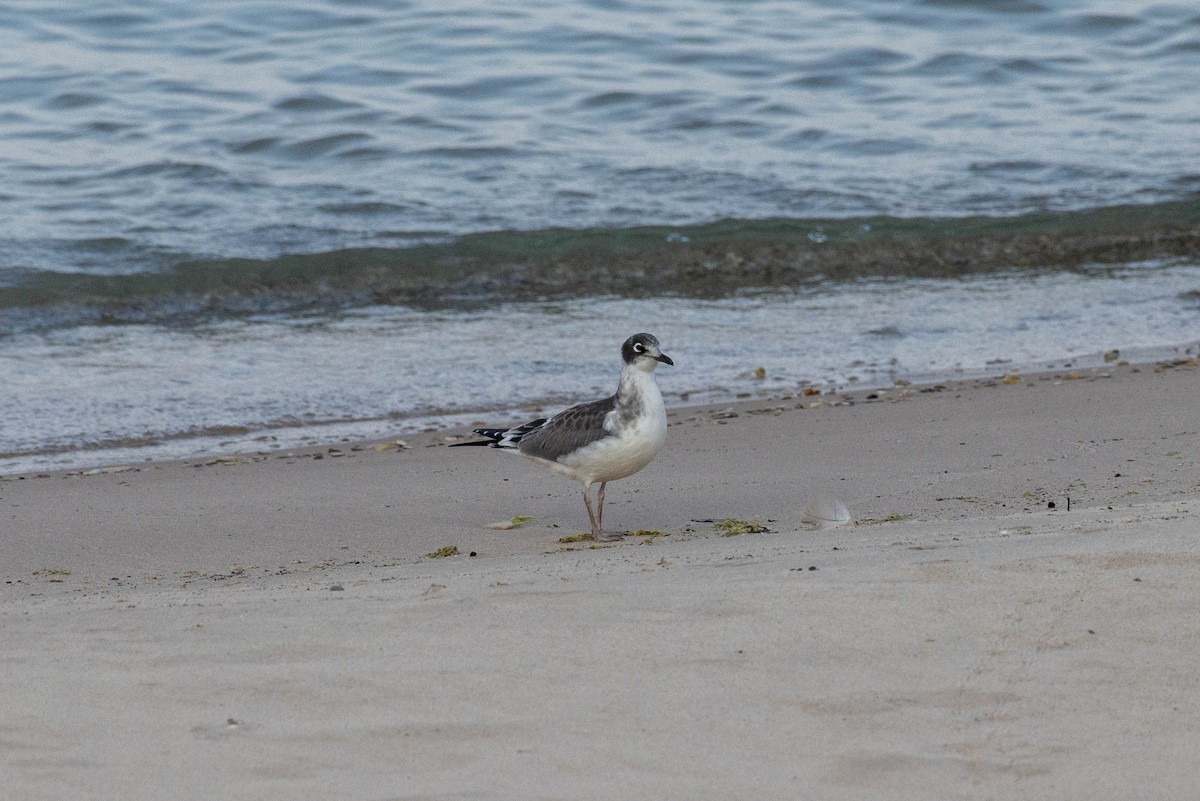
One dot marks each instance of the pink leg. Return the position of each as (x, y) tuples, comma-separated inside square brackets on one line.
[(587, 501), (600, 504), (602, 537)]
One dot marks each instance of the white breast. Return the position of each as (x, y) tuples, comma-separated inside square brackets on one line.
[(631, 446)]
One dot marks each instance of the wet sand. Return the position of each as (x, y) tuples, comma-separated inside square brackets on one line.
[(1013, 611)]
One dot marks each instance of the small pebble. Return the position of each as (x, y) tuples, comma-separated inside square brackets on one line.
[(337, 588)]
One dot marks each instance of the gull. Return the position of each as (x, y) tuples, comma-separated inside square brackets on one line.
[(600, 441)]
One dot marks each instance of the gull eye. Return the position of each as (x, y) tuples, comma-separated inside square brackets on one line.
[(638, 347)]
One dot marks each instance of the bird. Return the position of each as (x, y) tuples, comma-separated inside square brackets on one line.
[(599, 441)]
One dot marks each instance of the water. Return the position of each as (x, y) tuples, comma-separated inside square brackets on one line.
[(136, 137), (475, 188), (89, 394)]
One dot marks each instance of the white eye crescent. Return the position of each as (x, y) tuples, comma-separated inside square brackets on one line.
[(638, 347)]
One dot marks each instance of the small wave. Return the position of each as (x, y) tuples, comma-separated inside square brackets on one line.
[(362, 209), (878, 146), (1092, 24), (1005, 167), (193, 171), (470, 152), (356, 75), (116, 23), (69, 101), (322, 145), (313, 103), (1188, 48), (258, 145), (482, 88), (710, 260), (995, 6), (953, 65), (864, 60)]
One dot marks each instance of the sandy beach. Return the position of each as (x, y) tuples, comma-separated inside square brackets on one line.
[(1013, 611)]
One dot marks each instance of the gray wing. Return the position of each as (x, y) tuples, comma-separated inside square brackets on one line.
[(568, 430)]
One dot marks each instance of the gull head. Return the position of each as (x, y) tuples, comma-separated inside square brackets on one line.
[(642, 351)]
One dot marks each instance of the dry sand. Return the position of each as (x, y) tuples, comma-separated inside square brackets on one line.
[(272, 627)]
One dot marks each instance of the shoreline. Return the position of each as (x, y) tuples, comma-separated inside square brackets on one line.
[(385, 474), (283, 628), (1150, 358)]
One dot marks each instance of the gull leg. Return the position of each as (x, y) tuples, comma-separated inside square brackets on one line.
[(601, 536), (600, 505), (587, 501)]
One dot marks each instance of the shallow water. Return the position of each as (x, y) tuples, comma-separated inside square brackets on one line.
[(280, 381)]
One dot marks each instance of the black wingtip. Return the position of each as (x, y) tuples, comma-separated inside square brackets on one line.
[(502, 437), (494, 435)]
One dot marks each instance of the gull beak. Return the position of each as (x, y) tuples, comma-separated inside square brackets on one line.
[(665, 359)]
